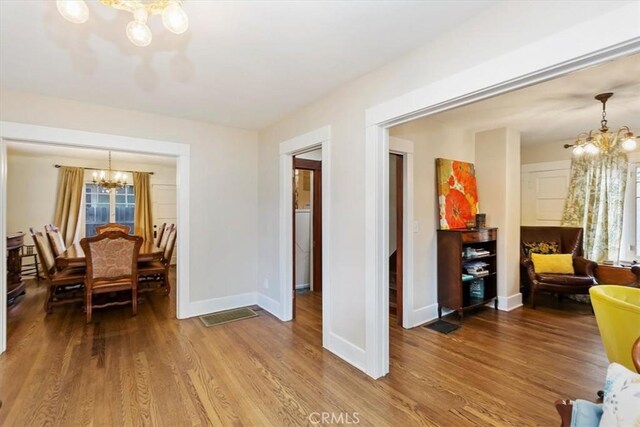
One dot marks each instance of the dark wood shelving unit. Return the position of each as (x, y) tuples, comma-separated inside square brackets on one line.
[(453, 292)]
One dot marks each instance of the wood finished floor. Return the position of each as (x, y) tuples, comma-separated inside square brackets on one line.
[(499, 369)]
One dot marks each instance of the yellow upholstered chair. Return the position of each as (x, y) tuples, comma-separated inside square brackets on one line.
[(617, 310)]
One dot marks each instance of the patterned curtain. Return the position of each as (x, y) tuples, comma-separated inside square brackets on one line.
[(596, 203)]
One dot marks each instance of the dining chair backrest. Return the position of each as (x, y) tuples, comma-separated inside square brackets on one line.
[(55, 239), (160, 234), (44, 252), (112, 255), (112, 226), (165, 237), (171, 243)]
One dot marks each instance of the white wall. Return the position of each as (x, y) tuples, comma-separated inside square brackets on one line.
[(431, 140), (497, 165), (32, 185), (503, 30), (223, 182)]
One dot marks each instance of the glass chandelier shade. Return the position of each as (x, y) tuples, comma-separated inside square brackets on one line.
[(174, 18), (106, 179), (602, 140)]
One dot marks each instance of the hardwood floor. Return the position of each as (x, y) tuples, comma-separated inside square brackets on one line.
[(499, 369)]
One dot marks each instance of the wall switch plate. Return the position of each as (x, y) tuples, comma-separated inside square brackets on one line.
[(266, 283)]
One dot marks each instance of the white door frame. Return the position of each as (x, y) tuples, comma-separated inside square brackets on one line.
[(319, 138), (19, 132), (404, 148), (552, 57)]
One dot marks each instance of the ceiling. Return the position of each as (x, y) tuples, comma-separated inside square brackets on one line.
[(59, 151), (559, 109), (241, 63)]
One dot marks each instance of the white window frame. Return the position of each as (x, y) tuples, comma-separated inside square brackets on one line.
[(112, 206)]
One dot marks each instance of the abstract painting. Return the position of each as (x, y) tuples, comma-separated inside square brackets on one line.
[(457, 193)]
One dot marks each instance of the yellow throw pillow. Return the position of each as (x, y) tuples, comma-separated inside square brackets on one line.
[(553, 263)]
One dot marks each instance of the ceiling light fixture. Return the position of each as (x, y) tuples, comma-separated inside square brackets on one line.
[(173, 15), (601, 140), (106, 181)]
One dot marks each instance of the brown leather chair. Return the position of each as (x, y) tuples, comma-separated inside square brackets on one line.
[(570, 241)]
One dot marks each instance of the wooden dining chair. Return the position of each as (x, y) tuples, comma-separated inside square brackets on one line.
[(160, 234), (165, 236), (158, 271), (112, 265), (55, 239), (112, 226), (65, 286)]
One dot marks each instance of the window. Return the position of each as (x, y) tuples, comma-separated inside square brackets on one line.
[(102, 207)]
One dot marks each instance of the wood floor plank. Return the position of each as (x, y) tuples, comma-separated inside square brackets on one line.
[(499, 369)]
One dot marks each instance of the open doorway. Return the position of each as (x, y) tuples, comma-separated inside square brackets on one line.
[(307, 225), (34, 184), (396, 236)]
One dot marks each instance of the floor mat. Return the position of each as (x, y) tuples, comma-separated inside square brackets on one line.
[(227, 316), (442, 326)]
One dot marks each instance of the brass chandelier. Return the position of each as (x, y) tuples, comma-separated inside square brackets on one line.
[(174, 17), (602, 140), (106, 181)]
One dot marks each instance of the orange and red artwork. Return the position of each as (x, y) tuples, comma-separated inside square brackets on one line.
[(457, 193)]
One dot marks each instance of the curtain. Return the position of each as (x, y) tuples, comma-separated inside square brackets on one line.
[(596, 202), (143, 223), (69, 203)]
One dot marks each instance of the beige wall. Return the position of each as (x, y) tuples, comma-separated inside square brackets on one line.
[(545, 152), (494, 34), (431, 140), (223, 182), (32, 185), (497, 165)]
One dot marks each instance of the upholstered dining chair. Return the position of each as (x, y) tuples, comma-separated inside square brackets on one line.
[(112, 265), (160, 234), (65, 286), (112, 226), (158, 271), (55, 239), (165, 236)]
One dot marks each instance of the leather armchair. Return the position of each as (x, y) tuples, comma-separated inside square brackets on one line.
[(570, 241)]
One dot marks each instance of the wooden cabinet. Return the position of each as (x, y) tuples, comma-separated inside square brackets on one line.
[(458, 249), (15, 285)]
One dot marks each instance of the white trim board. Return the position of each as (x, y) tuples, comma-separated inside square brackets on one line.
[(319, 138), (545, 166), (573, 49), (58, 136)]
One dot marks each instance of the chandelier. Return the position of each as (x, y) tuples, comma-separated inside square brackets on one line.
[(174, 17), (106, 181), (601, 140)]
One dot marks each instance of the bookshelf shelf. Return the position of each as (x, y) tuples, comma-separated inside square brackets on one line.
[(454, 291)]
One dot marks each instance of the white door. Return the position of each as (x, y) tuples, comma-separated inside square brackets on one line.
[(543, 196), (164, 208)]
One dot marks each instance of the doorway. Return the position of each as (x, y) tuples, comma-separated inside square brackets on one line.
[(396, 236), (307, 224)]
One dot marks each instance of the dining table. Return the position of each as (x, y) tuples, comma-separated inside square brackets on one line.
[(74, 255)]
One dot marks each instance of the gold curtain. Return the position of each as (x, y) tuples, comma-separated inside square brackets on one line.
[(143, 223), (69, 203)]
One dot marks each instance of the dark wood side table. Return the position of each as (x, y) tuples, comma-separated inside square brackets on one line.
[(15, 285), (616, 275)]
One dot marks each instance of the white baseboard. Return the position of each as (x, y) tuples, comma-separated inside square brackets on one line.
[(510, 303), (348, 352), (270, 305), (213, 305), (423, 315), (303, 286)]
